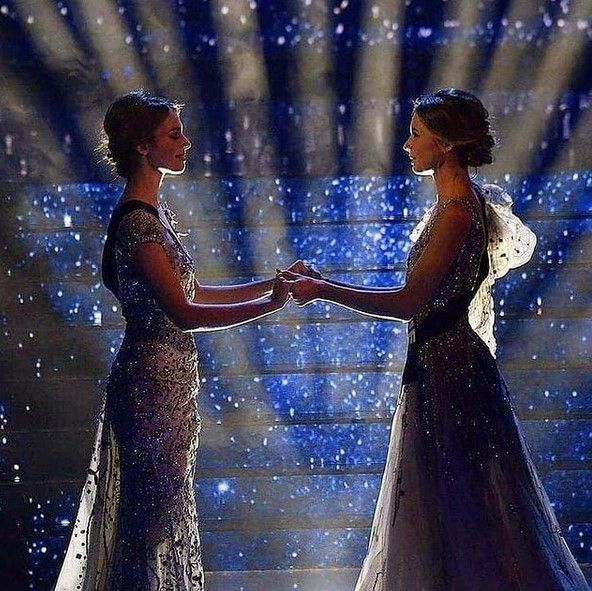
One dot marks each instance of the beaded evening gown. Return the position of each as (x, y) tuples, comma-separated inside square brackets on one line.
[(461, 507), (136, 527)]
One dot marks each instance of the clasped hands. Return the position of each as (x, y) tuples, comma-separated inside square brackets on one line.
[(299, 281)]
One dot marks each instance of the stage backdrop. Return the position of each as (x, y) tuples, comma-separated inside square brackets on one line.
[(297, 110)]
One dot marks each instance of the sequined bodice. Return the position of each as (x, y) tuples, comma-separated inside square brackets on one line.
[(145, 318), (464, 271)]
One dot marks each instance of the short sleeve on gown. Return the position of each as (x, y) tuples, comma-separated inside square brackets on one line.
[(139, 227)]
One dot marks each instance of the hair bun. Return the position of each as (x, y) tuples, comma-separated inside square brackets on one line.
[(459, 118)]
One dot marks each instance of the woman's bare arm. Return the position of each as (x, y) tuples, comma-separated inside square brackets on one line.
[(232, 294), (235, 294), (359, 287), (446, 239), (155, 269)]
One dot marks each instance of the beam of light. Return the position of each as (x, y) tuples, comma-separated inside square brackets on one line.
[(551, 75), (173, 72), (577, 135), (246, 89), (61, 54), (501, 74), (315, 99), (315, 94), (242, 65), (19, 103), (244, 76), (375, 85), (58, 50), (377, 79), (48, 31), (112, 45), (522, 133), (457, 62)]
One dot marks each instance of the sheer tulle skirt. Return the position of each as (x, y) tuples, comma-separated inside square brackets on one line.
[(91, 545), (461, 506)]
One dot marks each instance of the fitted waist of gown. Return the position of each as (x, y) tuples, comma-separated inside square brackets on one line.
[(435, 323), (454, 316), (157, 331)]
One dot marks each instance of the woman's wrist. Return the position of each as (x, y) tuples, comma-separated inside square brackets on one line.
[(271, 304), (325, 289), (267, 285)]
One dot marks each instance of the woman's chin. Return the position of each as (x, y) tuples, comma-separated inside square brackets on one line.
[(422, 171), (174, 171)]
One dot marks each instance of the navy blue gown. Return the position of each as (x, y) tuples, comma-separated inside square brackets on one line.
[(461, 507)]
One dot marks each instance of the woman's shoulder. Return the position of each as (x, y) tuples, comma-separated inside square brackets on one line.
[(469, 200), (457, 209), (137, 215), (140, 224), (464, 207)]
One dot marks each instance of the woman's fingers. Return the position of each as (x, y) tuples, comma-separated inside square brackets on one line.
[(303, 268), (299, 266), (302, 292), (281, 289), (302, 288), (290, 275)]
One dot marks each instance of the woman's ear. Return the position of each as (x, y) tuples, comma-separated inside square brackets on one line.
[(444, 145), (142, 148)]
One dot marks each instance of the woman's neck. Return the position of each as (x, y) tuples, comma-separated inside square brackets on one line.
[(143, 186), (452, 181)]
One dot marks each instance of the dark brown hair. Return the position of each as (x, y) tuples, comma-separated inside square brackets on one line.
[(460, 119), (131, 120)]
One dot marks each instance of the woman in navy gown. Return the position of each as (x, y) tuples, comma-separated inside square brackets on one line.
[(461, 507)]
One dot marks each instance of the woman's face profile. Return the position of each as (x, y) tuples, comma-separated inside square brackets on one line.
[(166, 151), (425, 149)]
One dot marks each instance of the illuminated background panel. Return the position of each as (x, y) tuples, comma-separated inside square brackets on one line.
[(297, 111)]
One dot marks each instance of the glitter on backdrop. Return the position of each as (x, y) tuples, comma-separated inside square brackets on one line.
[(297, 111)]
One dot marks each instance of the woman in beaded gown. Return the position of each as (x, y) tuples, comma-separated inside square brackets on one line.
[(136, 527), (461, 507)]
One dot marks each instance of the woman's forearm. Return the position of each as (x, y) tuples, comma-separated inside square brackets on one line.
[(207, 317), (392, 304), (232, 294), (359, 287)]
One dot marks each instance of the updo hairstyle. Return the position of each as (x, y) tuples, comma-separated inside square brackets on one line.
[(132, 119), (460, 119)]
